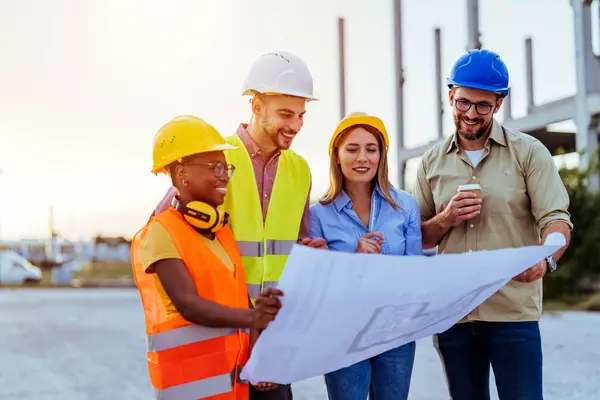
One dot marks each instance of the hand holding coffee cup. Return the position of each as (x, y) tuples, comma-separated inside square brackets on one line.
[(471, 187), (463, 206)]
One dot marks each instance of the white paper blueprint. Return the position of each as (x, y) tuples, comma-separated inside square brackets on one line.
[(341, 308)]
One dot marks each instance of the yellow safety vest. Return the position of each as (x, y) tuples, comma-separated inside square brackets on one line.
[(265, 247)]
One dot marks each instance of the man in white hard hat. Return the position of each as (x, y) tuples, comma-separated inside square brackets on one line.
[(269, 196)]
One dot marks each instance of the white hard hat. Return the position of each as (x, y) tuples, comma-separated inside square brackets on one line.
[(280, 72)]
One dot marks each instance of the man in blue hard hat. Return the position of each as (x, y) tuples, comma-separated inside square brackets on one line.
[(514, 198)]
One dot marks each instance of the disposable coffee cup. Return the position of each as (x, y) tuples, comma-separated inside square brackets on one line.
[(473, 187)]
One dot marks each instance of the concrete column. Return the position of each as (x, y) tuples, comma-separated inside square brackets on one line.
[(342, 66), (593, 134), (399, 92), (529, 68), (586, 79), (473, 33), (438, 83), (507, 105)]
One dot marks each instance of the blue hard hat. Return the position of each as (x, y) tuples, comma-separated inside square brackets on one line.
[(480, 69)]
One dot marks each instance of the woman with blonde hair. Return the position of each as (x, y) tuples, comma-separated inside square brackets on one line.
[(361, 212)]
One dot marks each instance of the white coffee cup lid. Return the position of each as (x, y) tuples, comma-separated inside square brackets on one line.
[(472, 186)]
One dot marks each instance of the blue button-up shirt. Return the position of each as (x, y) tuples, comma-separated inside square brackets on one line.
[(341, 227)]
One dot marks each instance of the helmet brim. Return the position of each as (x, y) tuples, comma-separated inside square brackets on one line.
[(503, 92), (217, 147), (370, 120), (221, 147), (307, 97)]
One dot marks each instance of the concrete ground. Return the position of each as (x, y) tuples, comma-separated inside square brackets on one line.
[(88, 344)]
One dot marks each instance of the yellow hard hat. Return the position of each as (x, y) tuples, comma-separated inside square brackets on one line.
[(183, 136), (360, 118)]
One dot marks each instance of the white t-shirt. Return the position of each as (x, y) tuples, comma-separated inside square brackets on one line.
[(474, 156)]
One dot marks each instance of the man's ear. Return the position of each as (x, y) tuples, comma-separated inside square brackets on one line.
[(258, 105), (498, 105), (451, 97)]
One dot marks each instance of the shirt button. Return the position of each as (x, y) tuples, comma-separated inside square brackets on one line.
[(266, 195), (472, 226), (474, 178)]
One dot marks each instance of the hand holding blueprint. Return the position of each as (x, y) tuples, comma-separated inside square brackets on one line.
[(341, 308)]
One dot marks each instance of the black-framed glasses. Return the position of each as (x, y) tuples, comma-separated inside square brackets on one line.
[(218, 168), (464, 105)]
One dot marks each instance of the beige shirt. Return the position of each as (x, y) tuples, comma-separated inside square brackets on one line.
[(522, 193)]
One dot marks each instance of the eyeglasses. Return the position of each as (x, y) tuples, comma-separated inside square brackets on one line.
[(465, 105), (218, 168)]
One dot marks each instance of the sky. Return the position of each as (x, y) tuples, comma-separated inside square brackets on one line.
[(85, 85)]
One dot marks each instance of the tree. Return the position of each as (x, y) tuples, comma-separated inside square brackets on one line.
[(579, 270)]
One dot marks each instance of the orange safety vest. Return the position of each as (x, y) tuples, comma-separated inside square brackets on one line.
[(188, 361)]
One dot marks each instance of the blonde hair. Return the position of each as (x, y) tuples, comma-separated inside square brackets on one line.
[(336, 178)]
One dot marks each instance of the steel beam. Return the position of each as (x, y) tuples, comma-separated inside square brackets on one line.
[(507, 105), (473, 33), (582, 28), (399, 89), (586, 81), (529, 68), (342, 66), (556, 140), (589, 59), (555, 111), (438, 83), (406, 154)]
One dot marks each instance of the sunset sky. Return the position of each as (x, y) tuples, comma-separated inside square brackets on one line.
[(85, 84)]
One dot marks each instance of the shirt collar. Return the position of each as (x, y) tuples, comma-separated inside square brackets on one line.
[(249, 143), (342, 200), (496, 134)]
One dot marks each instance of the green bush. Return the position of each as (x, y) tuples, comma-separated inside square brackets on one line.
[(579, 267)]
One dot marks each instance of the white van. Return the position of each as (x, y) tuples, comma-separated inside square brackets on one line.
[(15, 269)]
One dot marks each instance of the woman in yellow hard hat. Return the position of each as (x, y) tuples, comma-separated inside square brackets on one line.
[(361, 212), (189, 272)]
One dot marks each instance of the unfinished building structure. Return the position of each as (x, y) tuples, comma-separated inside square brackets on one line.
[(583, 108)]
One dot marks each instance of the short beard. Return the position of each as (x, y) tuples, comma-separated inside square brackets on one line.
[(273, 133), (268, 129), (471, 136)]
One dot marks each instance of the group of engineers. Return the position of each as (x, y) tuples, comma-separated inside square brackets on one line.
[(208, 261)]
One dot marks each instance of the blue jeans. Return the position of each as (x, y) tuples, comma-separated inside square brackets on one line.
[(513, 349), (383, 377)]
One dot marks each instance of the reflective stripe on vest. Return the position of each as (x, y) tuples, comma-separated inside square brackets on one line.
[(202, 388), (257, 249), (186, 335), (197, 390), (255, 289)]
